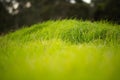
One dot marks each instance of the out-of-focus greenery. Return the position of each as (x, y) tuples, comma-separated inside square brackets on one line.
[(107, 9), (61, 50), (41, 10)]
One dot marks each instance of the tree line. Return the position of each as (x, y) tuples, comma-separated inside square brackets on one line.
[(17, 13)]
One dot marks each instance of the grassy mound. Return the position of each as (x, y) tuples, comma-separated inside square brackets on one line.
[(61, 50)]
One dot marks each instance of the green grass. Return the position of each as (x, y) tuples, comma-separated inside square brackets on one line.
[(62, 50)]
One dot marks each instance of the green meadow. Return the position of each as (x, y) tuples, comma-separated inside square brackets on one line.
[(62, 50)]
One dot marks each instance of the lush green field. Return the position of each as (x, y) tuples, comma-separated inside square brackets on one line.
[(62, 50)]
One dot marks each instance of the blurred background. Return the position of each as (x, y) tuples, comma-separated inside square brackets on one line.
[(15, 14)]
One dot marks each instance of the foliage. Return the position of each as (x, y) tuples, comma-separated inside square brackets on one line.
[(107, 9), (40, 10), (12, 18)]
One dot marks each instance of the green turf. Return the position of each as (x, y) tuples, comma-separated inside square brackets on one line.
[(62, 50)]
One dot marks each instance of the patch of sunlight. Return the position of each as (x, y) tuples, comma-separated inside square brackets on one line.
[(87, 1), (28, 4), (72, 1)]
